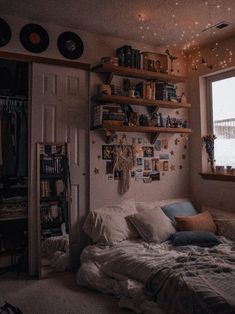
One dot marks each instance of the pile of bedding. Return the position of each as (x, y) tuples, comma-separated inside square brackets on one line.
[(157, 266)]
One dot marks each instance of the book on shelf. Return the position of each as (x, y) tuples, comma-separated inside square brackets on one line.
[(129, 57), (108, 112), (52, 164), (152, 90), (51, 187)]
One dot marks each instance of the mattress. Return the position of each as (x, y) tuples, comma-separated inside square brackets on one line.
[(160, 278)]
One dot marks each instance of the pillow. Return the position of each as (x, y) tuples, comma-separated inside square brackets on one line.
[(179, 209), (219, 213), (107, 225), (153, 226), (199, 238), (226, 228), (199, 222), (108, 228)]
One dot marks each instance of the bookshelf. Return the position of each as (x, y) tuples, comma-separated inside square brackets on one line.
[(110, 128), (53, 190)]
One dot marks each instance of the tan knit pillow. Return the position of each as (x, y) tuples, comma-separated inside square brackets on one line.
[(200, 222)]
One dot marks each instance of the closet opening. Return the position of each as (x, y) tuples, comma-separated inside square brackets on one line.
[(14, 91)]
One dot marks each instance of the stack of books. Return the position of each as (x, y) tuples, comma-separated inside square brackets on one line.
[(166, 91), (129, 57), (51, 165), (108, 114)]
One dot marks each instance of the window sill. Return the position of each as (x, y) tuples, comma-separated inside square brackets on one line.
[(217, 176)]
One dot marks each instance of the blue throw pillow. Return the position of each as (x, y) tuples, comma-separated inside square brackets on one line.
[(179, 209), (199, 238)]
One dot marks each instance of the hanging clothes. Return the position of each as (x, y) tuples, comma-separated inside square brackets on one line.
[(14, 134)]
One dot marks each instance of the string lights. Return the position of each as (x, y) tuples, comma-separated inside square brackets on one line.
[(190, 35)]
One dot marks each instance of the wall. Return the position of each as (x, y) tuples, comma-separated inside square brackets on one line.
[(214, 193), (173, 183)]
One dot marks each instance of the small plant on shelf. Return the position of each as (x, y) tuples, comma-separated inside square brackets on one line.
[(209, 141)]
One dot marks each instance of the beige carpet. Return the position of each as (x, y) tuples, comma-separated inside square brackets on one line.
[(58, 295)]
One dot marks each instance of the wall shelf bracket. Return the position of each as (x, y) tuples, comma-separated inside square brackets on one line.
[(153, 137)]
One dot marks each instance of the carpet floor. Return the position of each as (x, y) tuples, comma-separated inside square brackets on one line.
[(57, 295)]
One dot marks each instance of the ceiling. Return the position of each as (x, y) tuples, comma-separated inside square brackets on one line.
[(172, 23)]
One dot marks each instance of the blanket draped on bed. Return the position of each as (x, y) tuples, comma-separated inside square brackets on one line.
[(181, 280), (196, 284)]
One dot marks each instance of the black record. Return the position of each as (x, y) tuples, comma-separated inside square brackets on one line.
[(5, 33), (34, 38), (70, 45)]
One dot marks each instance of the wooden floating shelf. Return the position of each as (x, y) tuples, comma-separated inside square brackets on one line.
[(137, 73), (154, 131), (217, 176), (141, 102)]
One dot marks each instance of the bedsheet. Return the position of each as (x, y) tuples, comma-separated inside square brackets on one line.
[(149, 277)]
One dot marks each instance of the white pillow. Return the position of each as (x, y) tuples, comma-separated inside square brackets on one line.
[(153, 225), (107, 225)]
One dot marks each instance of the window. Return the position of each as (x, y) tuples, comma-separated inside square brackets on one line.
[(222, 97)]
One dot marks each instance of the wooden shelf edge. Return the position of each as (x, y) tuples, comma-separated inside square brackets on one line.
[(217, 176), (141, 101), (143, 129), (137, 73)]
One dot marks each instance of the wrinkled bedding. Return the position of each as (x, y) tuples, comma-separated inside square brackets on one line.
[(149, 277)]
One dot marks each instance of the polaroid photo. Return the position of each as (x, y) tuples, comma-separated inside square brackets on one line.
[(147, 164), (155, 175), (165, 144), (117, 175), (158, 145), (165, 165), (107, 152), (148, 151), (164, 156), (139, 161), (155, 164)]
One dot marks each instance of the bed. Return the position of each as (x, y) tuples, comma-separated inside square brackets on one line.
[(159, 276)]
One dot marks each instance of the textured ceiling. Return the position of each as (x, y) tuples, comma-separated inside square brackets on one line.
[(157, 22)]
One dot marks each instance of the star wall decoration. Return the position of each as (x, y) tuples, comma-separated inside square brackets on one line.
[(177, 141), (96, 171), (184, 156), (172, 153), (98, 156), (180, 167), (185, 147), (177, 112)]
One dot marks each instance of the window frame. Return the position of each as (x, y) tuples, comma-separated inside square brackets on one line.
[(210, 80)]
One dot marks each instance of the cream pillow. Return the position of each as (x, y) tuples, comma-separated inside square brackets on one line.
[(107, 225), (153, 225)]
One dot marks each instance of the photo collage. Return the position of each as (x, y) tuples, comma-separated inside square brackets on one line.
[(149, 161)]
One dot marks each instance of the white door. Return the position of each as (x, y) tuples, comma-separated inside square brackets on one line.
[(60, 114)]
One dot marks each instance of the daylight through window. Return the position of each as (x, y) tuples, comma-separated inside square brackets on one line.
[(223, 109)]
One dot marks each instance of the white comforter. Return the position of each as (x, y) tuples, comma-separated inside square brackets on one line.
[(123, 269)]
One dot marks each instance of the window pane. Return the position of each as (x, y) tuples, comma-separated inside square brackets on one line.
[(223, 100)]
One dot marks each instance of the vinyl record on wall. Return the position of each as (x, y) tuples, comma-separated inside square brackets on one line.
[(70, 45), (34, 38), (5, 33)]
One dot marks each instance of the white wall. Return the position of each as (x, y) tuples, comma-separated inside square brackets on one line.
[(174, 183)]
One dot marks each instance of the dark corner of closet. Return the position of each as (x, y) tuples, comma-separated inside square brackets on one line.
[(13, 165)]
